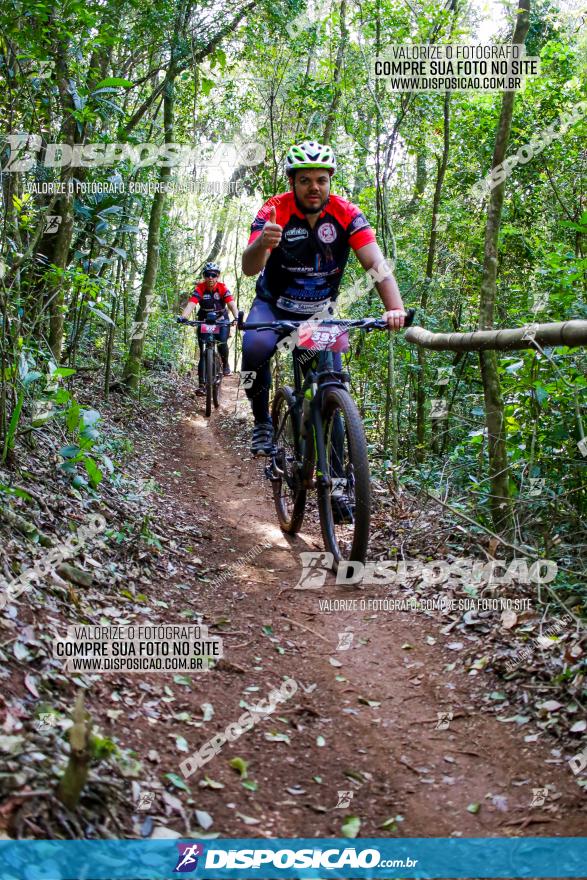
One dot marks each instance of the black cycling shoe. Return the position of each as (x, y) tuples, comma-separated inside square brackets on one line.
[(226, 371), (343, 512), (262, 442)]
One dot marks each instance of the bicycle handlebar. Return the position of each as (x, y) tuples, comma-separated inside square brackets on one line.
[(289, 326), (198, 323)]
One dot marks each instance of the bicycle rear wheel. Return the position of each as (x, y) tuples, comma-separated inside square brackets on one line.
[(217, 379), (288, 494), (345, 505), (209, 378)]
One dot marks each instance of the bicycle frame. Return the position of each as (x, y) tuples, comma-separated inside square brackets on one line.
[(208, 338), (316, 379), (319, 439)]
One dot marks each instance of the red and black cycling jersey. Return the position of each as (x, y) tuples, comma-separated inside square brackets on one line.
[(305, 269), (211, 300)]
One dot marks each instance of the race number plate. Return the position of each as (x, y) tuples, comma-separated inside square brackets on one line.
[(319, 338), (210, 328)]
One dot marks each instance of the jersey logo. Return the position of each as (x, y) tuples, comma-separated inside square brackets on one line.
[(327, 233), (359, 222), (296, 233)]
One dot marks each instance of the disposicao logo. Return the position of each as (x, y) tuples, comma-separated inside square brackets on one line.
[(187, 860), (326, 859)]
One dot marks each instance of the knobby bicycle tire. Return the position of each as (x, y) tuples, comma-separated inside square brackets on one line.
[(338, 399), (217, 379), (209, 378), (290, 520)]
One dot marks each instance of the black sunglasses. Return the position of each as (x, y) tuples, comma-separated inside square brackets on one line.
[(210, 274)]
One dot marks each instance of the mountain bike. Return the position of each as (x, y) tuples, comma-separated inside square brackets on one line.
[(319, 441), (213, 372)]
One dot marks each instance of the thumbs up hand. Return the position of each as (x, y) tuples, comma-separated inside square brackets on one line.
[(271, 235)]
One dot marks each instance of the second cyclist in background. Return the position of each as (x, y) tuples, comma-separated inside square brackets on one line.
[(211, 295)]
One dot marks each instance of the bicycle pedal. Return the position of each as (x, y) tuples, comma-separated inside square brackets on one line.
[(260, 453)]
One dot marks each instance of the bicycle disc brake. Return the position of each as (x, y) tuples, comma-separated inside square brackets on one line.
[(280, 469)]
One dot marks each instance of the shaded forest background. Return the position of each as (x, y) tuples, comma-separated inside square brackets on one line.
[(91, 282)]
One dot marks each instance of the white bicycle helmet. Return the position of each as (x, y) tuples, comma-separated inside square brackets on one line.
[(310, 154)]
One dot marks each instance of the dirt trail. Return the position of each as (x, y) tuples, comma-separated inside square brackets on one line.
[(364, 720)]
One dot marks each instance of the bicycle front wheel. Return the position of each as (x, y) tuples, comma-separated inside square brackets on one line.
[(209, 379), (345, 504), (217, 379), (288, 494)]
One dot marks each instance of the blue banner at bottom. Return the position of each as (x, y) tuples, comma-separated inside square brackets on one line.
[(297, 857)]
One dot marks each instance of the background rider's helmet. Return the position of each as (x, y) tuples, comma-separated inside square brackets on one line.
[(310, 154), (211, 269)]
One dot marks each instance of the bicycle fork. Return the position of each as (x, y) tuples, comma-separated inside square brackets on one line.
[(322, 470), (273, 471)]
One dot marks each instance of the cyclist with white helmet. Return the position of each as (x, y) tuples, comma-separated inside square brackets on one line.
[(211, 295), (300, 242)]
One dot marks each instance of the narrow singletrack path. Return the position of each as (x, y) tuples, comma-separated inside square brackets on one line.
[(364, 720)]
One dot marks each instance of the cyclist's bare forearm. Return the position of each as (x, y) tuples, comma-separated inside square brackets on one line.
[(188, 309), (255, 256), (233, 310), (389, 293), (373, 262)]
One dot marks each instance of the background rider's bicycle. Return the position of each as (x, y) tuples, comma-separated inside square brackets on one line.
[(212, 377), (319, 440)]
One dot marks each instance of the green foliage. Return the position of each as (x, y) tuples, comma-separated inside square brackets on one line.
[(258, 83), (101, 747)]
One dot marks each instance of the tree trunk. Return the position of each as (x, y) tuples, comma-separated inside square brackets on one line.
[(337, 76), (58, 249), (119, 282), (421, 376), (137, 337), (571, 333), (501, 507), (390, 430), (60, 259), (419, 186), (75, 775), (58, 246)]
